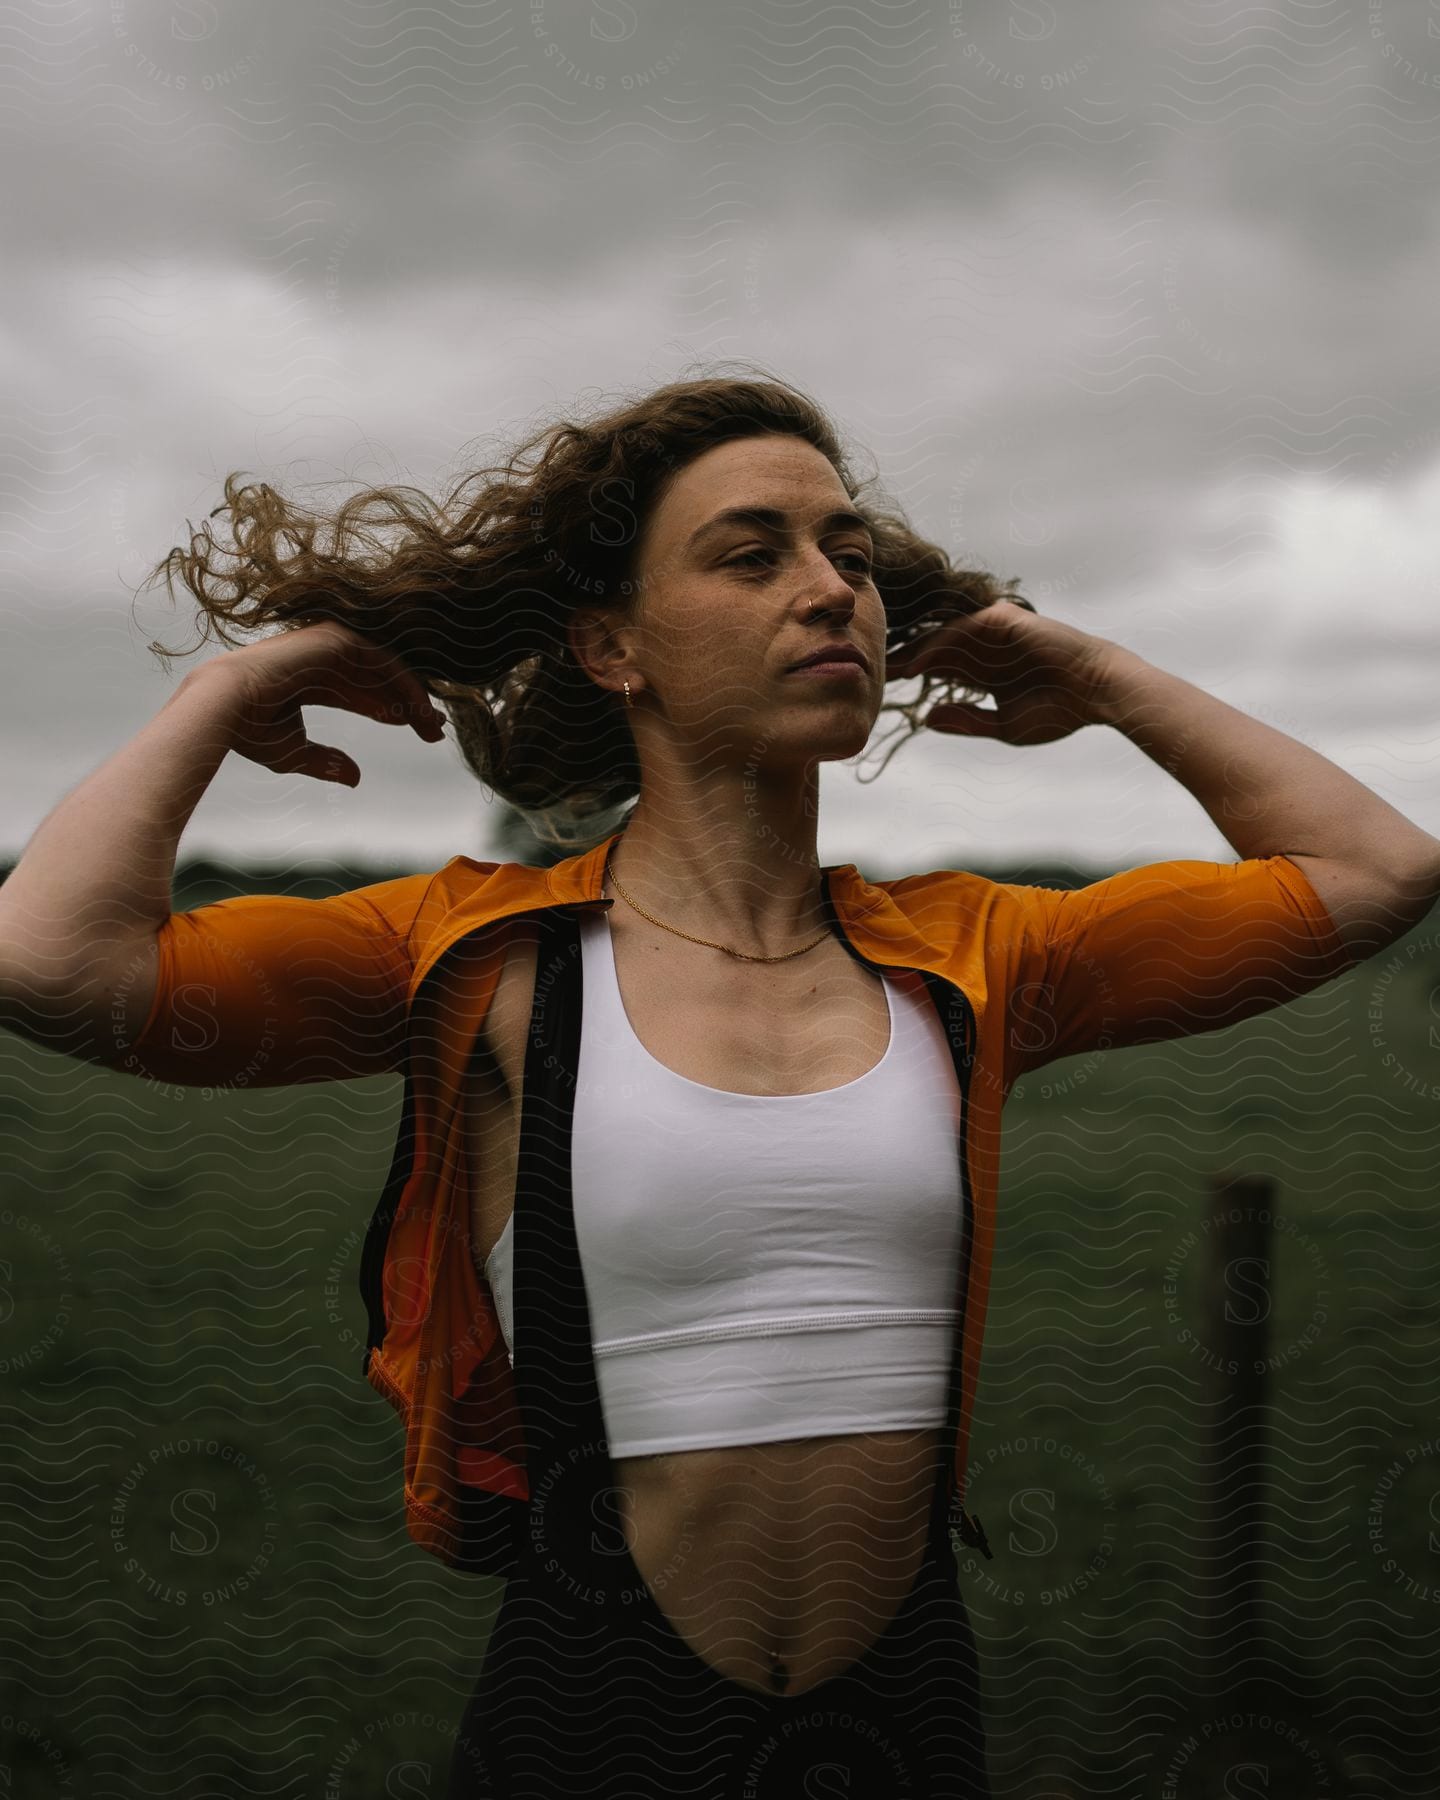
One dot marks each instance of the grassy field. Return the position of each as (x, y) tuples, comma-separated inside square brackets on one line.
[(209, 1590)]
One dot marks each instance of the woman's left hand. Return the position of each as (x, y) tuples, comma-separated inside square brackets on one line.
[(1042, 675)]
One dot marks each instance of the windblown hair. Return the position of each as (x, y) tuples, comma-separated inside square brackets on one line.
[(473, 592)]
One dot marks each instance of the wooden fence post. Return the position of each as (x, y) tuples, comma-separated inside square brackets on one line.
[(1235, 1309)]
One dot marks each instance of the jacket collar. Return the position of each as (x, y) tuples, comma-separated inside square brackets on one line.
[(507, 889), (580, 878)]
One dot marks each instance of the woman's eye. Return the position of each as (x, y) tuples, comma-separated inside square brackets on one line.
[(857, 556)]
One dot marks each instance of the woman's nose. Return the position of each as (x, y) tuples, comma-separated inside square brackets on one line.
[(834, 594)]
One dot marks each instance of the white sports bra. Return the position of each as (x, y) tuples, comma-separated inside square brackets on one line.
[(761, 1266)]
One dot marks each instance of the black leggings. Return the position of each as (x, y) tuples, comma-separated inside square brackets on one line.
[(595, 1693)]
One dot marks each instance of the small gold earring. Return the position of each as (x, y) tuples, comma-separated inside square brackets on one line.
[(628, 700)]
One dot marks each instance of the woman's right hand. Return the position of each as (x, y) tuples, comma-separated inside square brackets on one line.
[(323, 664)]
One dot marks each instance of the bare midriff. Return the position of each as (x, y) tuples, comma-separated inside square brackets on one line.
[(778, 1564)]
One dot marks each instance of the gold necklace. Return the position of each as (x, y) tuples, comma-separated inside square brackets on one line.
[(709, 944)]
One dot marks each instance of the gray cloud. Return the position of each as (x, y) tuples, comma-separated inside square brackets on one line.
[(1131, 303)]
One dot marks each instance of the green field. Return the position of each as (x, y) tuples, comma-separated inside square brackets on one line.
[(209, 1590)]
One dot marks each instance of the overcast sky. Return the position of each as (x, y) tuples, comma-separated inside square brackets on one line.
[(1133, 301)]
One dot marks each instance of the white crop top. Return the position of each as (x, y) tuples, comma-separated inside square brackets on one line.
[(759, 1266)]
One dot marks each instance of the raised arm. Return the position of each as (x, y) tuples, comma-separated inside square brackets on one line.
[(1376, 872), (90, 952)]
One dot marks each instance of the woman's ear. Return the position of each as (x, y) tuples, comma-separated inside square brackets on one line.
[(594, 642)]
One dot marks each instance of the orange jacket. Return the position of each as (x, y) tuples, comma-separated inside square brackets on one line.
[(395, 978)]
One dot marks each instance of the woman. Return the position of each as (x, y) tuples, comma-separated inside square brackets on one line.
[(680, 1291)]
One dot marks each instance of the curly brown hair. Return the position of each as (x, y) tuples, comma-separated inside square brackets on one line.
[(473, 592)]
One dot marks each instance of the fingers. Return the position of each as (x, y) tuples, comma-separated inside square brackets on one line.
[(325, 763), (373, 680), (965, 648), (960, 720), (322, 762), (915, 657), (426, 722), (377, 695), (410, 703)]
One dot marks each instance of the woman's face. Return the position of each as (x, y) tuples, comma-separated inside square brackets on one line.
[(726, 606)]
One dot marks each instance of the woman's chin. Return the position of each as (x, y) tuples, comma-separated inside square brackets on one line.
[(829, 738)]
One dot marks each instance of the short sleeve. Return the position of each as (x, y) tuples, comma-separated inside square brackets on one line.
[(1164, 951), (265, 990)]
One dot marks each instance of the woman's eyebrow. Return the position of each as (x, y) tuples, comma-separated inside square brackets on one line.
[(769, 518)]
